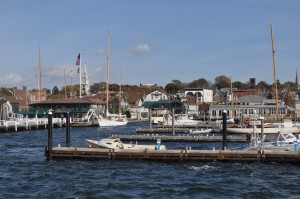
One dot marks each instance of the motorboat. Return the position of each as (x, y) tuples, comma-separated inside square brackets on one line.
[(200, 131), (116, 143), (112, 120), (284, 142), (269, 128), (181, 120)]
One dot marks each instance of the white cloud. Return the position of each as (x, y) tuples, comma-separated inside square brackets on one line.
[(141, 48), (11, 79)]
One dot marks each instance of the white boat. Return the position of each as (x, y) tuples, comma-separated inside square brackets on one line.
[(112, 120), (200, 131), (115, 143), (284, 142), (285, 127), (181, 120)]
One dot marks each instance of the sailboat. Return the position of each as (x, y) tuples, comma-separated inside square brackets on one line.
[(286, 126), (110, 119)]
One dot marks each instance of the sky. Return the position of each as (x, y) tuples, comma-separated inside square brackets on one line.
[(152, 42)]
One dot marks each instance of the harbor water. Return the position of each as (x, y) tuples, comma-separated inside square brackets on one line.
[(25, 173)]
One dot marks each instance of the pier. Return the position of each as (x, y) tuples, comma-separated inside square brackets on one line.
[(72, 153), (29, 124), (180, 155)]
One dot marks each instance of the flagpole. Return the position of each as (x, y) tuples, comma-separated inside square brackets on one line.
[(80, 76)]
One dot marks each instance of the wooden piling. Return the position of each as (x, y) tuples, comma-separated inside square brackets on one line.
[(224, 130), (49, 154), (68, 129)]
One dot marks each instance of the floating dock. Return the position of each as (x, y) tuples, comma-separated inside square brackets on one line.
[(170, 130), (71, 153), (182, 138)]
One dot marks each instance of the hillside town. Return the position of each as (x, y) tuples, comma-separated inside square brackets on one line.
[(199, 99)]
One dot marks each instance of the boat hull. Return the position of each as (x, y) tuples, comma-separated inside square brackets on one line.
[(272, 130)]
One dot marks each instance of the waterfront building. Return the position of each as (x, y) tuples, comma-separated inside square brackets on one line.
[(244, 108), (204, 95), (77, 107)]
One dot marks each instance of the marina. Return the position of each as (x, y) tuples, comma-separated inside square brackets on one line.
[(23, 163), (129, 153)]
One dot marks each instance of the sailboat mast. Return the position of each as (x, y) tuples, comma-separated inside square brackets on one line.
[(65, 83), (40, 78), (120, 92), (275, 79), (107, 70), (232, 108)]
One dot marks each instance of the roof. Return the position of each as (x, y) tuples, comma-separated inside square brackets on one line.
[(252, 99), (66, 101), (159, 103)]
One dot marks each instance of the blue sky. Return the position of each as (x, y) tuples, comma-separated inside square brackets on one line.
[(151, 41)]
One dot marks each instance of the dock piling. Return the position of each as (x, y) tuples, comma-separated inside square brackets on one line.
[(173, 122), (67, 129), (224, 130), (49, 155)]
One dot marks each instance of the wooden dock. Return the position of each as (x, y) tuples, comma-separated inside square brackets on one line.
[(185, 130), (70, 153), (181, 138)]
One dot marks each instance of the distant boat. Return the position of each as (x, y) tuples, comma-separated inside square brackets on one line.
[(115, 143), (89, 120), (181, 120), (284, 142), (269, 128), (200, 131), (112, 120)]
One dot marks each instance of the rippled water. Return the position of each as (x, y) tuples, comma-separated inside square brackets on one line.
[(24, 172)]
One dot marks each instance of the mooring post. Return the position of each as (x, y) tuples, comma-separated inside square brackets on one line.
[(262, 130), (173, 122), (67, 129), (49, 156), (224, 130), (150, 118)]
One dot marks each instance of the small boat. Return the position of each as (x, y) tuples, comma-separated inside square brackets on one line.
[(200, 131), (112, 120), (269, 128), (284, 142), (116, 143), (181, 120)]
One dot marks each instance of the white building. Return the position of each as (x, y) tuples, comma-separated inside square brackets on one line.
[(155, 96), (204, 95), (138, 113), (246, 106)]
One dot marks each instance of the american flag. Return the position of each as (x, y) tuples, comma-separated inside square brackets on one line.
[(78, 60)]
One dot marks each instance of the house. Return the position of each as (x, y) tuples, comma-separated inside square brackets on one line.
[(246, 106), (5, 109), (204, 95), (138, 113), (155, 96)]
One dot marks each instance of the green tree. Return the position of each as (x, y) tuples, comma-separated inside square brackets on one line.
[(171, 88), (222, 82)]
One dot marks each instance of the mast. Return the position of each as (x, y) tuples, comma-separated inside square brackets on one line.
[(80, 76), (120, 92), (107, 70), (65, 82), (232, 108), (40, 77), (275, 79)]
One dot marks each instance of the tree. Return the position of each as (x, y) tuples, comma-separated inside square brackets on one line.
[(222, 82), (179, 84), (203, 83), (171, 88), (55, 90)]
